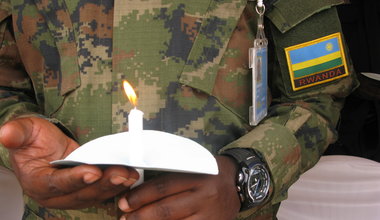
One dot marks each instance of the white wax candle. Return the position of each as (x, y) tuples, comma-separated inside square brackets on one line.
[(135, 120), (135, 126)]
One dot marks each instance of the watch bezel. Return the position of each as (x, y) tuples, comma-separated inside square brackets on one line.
[(252, 172), (259, 176)]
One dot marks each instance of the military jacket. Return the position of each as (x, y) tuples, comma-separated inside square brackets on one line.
[(188, 61)]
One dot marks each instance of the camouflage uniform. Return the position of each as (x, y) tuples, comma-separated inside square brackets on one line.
[(189, 64)]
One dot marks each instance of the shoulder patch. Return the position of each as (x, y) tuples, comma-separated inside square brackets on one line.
[(316, 62)]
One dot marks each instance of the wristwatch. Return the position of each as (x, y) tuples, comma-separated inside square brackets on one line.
[(253, 179)]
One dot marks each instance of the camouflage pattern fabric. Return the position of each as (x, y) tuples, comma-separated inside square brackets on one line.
[(188, 60)]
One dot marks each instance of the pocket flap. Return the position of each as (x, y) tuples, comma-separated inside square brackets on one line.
[(287, 14), (62, 30), (208, 49), (5, 10)]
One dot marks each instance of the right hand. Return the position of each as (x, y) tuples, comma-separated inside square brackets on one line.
[(33, 143)]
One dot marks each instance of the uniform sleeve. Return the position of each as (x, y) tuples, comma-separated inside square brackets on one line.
[(16, 90), (300, 124)]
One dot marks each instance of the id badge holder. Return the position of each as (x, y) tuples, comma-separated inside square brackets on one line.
[(258, 62)]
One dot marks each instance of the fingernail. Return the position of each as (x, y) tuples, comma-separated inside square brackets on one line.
[(117, 180), (123, 205), (129, 182), (90, 178), (123, 218)]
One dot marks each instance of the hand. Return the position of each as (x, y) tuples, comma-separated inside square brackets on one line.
[(185, 196), (33, 143)]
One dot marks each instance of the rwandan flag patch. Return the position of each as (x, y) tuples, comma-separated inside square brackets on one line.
[(316, 62)]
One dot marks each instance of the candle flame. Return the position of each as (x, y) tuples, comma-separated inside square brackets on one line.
[(128, 89)]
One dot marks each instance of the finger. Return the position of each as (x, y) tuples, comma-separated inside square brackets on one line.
[(66, 181), (157, 189), (52, 182), (24, 132), (128, 178), (178, 206), (114, 181), (84, 198), (14, 133), (118, 175)]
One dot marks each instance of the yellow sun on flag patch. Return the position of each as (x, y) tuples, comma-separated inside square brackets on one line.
[(329, 46), (316, 62)]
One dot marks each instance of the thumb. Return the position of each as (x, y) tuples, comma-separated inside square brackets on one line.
[(16, 133)]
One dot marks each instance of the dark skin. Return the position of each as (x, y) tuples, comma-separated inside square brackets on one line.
[(33, 143), (185, 196)]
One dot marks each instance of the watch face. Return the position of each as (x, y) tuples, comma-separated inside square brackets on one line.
[(258, 183)]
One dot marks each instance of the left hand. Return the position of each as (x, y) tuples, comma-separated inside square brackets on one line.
[(185, 196), (34, 142)]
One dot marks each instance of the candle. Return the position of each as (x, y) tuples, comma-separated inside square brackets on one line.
[(135, 120), (135, 117), (135, 128)]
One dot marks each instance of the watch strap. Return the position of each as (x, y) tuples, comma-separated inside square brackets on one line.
[(241, 154)]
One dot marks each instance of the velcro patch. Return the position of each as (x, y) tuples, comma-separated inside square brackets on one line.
[(316, 62)]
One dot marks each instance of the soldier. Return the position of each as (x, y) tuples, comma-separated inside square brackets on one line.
[(62, 64)]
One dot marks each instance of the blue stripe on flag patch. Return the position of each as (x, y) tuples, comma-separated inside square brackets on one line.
[(314, 51)]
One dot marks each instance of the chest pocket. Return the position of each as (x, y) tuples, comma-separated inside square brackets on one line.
[(218, 61), (294, 26), (56, 71)]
